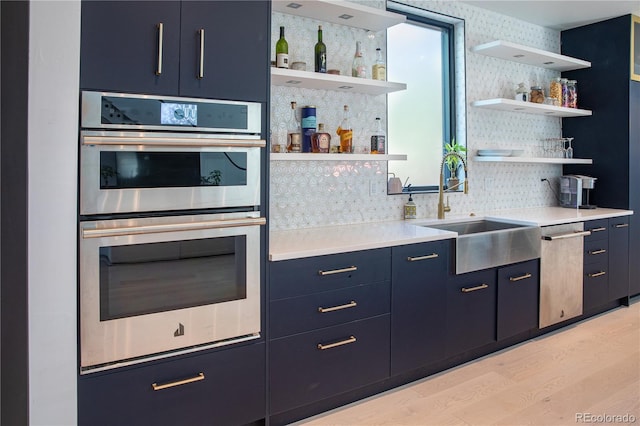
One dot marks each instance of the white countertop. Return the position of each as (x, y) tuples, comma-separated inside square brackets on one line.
[(308, 242)]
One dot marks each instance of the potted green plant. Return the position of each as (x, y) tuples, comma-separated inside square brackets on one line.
[(453, 163)]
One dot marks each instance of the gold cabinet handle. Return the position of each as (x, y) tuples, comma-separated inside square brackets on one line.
[(476, 288), (351, 339), (599, 251), (598, 229), (338, 271), (160, 40), (417, 258), (621, 225), (521, 277), (157, 387), (351, 304), (596, 274), (201, 68)]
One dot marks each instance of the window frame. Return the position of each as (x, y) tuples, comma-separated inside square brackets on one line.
[(449, 69)]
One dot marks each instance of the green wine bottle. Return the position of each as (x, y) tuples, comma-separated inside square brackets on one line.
[(282, 51), (321, 53)]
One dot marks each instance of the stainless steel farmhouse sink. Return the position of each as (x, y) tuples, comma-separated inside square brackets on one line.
[(483, 244)]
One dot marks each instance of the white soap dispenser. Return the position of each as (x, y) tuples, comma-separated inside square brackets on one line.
[(410, 209)]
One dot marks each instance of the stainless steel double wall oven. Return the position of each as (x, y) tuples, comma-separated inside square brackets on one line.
[(170, 226)]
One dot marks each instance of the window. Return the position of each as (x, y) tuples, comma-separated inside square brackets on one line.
[(422, 54)]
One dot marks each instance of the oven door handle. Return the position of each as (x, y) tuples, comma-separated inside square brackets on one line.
[(172, 227), (89, 140)]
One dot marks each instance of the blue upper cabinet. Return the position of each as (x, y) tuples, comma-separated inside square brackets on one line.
[(205, 49), (233, 62)]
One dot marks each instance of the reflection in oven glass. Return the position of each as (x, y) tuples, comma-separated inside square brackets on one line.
[(120, 170), (148, 278)]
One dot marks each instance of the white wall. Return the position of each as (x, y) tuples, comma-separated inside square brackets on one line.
[(54, 58), (316, 193)]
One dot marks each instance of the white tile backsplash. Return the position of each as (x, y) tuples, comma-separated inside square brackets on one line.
[(314, 193)]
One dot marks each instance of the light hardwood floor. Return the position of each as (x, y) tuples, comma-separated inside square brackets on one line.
[(589, 369)]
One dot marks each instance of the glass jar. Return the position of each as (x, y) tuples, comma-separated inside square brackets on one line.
[(564, 101), (572, 94), (555, 90), (522, 93), (536, 95)]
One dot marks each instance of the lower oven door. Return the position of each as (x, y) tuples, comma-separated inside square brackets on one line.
[(153, 286)]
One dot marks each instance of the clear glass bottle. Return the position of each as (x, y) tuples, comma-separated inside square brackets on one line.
[(358, 68), (378, 138), (320, 53), (294, 133), (379, 68), (345, 131), (282, 51)]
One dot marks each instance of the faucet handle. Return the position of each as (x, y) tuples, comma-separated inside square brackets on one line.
[(447, 207)]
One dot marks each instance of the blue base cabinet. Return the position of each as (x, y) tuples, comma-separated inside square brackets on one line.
[(329, 326), (418, 311), (518, 296), (606, 262), (231, 392), (471, 311)]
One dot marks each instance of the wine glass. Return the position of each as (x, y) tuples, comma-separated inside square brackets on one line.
[(569, 151)]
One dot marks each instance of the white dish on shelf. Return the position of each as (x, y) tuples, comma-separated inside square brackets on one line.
[(494, 152)]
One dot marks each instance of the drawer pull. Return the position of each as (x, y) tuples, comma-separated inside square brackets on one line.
[(602, 228), (351, 304), (622, 225), (599, 251), (351, 339), (338, 271), (521, 277), (428, 256), (596, 274), (476, 288), (157, 387)]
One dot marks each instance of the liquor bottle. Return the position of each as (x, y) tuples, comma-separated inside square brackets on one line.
[(379, 68), (282, 51), (358, 69), (294, 134), (320, 141), (378, 138), (346, 132), (321, 53)]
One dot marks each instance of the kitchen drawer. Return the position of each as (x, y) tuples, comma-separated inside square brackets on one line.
[(596, 251), (299, 277), (232, 391), (596, 285), (304, 313), (302, 373), (599, 229), (518, 295)]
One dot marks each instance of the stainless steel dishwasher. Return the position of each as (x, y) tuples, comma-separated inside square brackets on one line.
[(561, 269)]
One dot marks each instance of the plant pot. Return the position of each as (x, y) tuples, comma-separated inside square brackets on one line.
[(453, 183)]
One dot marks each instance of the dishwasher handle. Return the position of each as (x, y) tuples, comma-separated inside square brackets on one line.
[(566, 235)]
